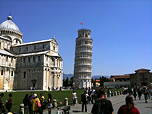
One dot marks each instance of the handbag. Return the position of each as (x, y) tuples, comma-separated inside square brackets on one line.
[(39, 104)]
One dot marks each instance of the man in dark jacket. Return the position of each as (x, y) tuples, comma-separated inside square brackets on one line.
[(84, 101), (102, 105), (2, 109)]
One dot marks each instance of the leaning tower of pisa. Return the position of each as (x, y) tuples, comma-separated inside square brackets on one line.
[(83, 59)]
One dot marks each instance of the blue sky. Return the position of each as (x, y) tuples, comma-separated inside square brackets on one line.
[(121, 29)]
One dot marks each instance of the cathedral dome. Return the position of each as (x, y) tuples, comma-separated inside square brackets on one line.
[(9, 25)]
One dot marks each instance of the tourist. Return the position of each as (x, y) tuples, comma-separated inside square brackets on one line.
[(89, 96), (130, 91), (30, 105), (50, 100), (150, 90), (9, 103), (84, 101), (149, 94), (74, 97), (26, 102), (48, 88), (92, 96), (102, 105), (43, 104), (129, 107), (2, 108), (36, 104), (134, 93), (145, 91), (139, 93)]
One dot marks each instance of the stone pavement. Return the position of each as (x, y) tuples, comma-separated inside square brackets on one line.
[(117, 101)]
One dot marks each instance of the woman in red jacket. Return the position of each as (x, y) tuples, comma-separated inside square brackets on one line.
[(129, 107)]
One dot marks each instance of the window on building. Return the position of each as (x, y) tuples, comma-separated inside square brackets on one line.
[(86, 42), (19, 50), (54, 48), (6, 59), (34, 47), (39, 58), (86, 35), (29, 59), (33, 58), (43, 46), (2, 72), (23, 59), (53, 61), (11, 60), (12, 73), (24, 75), (26, 48)]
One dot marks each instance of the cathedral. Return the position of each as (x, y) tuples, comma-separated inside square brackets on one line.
[(23, 66)]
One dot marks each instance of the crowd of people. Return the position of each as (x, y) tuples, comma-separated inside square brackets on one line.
[(101, 105), (104, 106), (7, 106), (146, 92), (32, 104)]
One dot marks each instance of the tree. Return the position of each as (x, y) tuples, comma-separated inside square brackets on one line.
[(93, 82), (101, 81), (71, 82)]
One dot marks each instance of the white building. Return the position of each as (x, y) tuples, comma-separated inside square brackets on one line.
[(28, 65)]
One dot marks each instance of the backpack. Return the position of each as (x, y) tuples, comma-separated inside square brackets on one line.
[(83, 98), (103, 107)]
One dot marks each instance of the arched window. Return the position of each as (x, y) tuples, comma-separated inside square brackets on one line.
[(24, 75), (2, 72), (12, 73), (29, 59), (33, 58)]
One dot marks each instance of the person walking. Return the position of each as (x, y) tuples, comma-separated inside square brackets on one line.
[(30, 104), (145, 91), (102, 105), (2, 108), (9, 103), (84, 101), (134, 93), (36, 104), (139, 93), (43, 104), (74, 97), (50, 100), (26, 102), (129, 107)]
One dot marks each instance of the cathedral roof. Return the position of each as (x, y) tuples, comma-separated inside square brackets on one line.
[(4, 52), (35, 42), (9, 25)]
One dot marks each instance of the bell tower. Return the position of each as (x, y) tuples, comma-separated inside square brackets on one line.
[(83, 59)]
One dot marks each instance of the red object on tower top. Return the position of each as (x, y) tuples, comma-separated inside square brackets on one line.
[(81, 23)]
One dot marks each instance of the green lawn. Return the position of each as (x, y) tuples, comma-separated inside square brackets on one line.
[(58, 95)]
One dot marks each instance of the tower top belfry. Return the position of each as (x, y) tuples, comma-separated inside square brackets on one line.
[(84, 33)]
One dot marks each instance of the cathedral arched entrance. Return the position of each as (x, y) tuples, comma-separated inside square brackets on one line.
[(33, 83)]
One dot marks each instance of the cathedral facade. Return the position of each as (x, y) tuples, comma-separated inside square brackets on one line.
[(34, 65)]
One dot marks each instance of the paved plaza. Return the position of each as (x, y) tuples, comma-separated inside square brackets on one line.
[(117, 101)]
